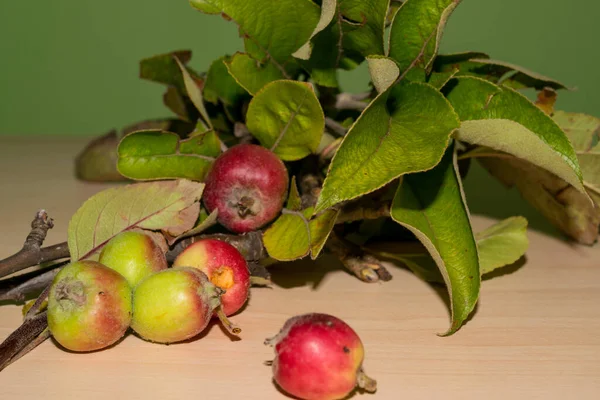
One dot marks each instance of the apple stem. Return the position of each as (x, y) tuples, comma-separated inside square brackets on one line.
[(230, 326), (366, 383)]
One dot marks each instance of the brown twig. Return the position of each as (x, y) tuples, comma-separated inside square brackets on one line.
[(360, 210), (19, 288), (365, 266), (38, 304), (335, 126), (31, 253), (348, 101), (22, 339), (30, 346), (250, 245)]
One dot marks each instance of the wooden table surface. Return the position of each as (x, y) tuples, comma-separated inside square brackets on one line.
[(535, 335)]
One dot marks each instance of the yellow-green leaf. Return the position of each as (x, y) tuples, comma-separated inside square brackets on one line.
[(502, 243), (250, 73), (286, 117), (320, 229), (288, 238), (168, 206)]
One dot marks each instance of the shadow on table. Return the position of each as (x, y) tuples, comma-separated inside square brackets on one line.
[(305, 272)]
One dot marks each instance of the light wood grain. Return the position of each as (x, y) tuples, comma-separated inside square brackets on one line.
[(535, 334)]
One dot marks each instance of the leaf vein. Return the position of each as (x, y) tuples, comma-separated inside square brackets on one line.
[(289, 122)]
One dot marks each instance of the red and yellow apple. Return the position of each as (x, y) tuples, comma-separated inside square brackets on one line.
[(89, 306)]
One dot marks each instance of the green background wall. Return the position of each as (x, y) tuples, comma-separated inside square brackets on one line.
[(69, 67)]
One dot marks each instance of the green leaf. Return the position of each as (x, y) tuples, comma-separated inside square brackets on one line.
[(499, 245), (432, 206), (194, 93), (384, 72), (505, 120), (250, 74), (179, 104), (404, 130), (221, 86), (168, 206), (354, 32), (417, 30), (502, 243), (363, 23), (272, 29), (439, 79), (294, 201), (499, 72), (584, 133), (328, 9), (326, 57), (155, 154), (294, 235), (320, 229), (446, 62), (286, 117), (163, 68), (288, 238)]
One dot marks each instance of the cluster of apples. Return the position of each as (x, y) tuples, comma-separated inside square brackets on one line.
[(92, 304)]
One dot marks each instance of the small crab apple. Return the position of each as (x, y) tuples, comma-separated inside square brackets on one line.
[(89, 306), (224, 266), (176, 304), (319, 357), (247, 184), (134, 255)]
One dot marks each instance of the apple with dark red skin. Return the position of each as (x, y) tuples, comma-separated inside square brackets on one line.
[(248, 185), (134, 255), (89, 306), (224, 266), (176, 304), (319, 357)]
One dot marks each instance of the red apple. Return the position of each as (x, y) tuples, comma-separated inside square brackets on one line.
[(248, 185), (176, 304), (89, 306), (319, 357), (134, 255), (224, 266)]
